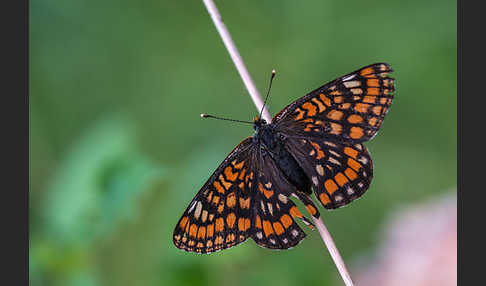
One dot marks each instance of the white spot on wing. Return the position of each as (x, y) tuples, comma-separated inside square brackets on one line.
[(363, 160), (334, 153), (334, 161), (346, 78), (282, 198), (197, 212), (192, 206), (270, 208)]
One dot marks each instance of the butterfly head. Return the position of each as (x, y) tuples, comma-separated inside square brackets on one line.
[(258, 122)]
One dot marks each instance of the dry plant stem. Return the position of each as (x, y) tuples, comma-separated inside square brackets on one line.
[(326, 237), (235, 56), (240, 66)]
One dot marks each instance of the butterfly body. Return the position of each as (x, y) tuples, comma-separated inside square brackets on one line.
[(272, 143), (314, 145)]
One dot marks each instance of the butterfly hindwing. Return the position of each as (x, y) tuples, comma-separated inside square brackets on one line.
[(348, 109), (219, 216), (340, 173), (274, 211)]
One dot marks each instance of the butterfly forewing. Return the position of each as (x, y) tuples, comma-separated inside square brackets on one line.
[(348, 109), (219, 216)]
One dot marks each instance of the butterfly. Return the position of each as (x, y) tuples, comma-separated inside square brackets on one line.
[(315, 144)]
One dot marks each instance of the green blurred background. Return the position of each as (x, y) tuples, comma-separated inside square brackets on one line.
[(118, 150)]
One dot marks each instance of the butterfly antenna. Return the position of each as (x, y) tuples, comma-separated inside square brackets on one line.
[(268, 92), (203, 115)]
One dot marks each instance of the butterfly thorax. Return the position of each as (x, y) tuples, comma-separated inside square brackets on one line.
[(272, 143)]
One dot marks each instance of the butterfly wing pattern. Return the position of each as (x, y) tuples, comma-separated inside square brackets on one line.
[(325, 128), (349, 109), (219, 216), (339, 173), (274, 212), (250, 196)]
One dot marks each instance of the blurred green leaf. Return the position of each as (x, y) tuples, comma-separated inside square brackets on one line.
[(98, 185)]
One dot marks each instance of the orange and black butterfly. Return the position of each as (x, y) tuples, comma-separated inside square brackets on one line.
[(315, 143)]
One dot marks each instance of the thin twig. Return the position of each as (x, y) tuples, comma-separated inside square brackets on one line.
[(250, 85), (235, 56)]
